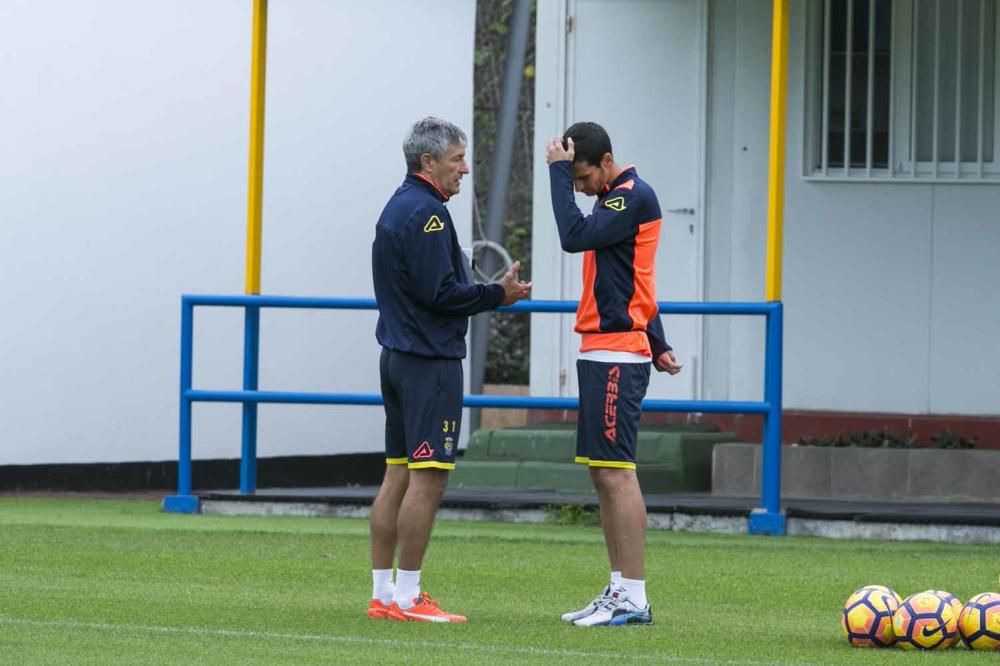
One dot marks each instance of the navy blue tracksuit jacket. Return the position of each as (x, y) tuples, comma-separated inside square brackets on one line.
[(617, 310), (424, 292)]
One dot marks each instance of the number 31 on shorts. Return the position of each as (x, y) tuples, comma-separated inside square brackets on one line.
[(449, 426)]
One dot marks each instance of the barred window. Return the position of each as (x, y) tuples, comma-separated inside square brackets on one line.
[(902, 90)]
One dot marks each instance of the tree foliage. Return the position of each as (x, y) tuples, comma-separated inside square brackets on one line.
[(509, 342)]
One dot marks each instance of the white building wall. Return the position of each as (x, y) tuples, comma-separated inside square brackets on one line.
[(551, 274), (123, 176), (889, 289)]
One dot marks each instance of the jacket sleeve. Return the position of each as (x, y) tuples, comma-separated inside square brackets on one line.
[(611, 222), (432, 280), (657, 339)]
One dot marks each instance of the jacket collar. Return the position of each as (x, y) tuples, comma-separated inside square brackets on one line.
[(419, 179), (626, 174)]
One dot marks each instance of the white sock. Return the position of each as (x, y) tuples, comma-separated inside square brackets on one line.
[(382, 587), (407, 588), (635, 590), (616, 579)]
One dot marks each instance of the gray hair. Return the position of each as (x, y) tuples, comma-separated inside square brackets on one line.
[(430, 135)]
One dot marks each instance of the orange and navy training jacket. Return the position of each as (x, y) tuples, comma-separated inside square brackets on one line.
[(422, 288), (617, 310)]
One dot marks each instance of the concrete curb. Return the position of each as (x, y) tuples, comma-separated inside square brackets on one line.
[(862, 474), (676, 521)]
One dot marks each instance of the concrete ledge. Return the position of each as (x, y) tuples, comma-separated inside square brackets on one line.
[(557, 446), (564, 477), (734, 470), (674, 521), (846, 529), (485, 474), (669, 459), (863, 474)]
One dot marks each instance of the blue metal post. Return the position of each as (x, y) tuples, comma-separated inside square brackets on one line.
[(184, 501), (251, 356), (770, 519)]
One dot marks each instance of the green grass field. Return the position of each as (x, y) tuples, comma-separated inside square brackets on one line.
[(100, 581)]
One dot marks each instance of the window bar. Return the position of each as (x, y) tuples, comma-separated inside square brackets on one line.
[(982, 66), (826, 87), (913, 90), (937, 83), (871, 86), (847, 88), (958, 93), (891, 158)]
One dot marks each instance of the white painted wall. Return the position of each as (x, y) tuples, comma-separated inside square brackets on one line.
[(551, 277), (658, 129), (889, 288), (123, 174)]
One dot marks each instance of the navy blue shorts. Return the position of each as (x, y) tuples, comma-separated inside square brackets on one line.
[(423, 409), (607, 425)]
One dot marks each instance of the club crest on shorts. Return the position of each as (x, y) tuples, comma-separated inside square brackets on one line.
[(449, 446)]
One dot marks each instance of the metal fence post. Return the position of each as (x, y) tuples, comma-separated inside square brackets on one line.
[(184, 501), (251, 358), (770, 519)]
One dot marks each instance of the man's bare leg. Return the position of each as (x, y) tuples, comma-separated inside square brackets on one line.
[(623, 518), (614, 556), (385, 514), (416, 515)]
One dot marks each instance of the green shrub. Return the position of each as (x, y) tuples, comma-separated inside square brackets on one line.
[(870, 439), (821, 440), (946, 439), (884, 438), (572, 514)]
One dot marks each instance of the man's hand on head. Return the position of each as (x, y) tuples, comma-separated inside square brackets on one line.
[(513, 289), (555, 151)]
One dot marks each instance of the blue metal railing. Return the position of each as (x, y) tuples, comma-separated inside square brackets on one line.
[(768, 519)]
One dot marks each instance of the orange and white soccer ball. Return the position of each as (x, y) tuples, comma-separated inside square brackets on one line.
[(979, 622), (867, 617), (925, 621)]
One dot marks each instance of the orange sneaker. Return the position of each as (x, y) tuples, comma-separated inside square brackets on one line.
[(377, 610), (424, 609)]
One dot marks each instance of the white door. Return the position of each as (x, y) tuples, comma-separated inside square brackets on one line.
[(636, 67)]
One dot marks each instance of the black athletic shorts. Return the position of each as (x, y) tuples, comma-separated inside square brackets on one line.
[(607, 425), (423, 409)]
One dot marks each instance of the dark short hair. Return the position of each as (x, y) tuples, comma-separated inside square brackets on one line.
[(590, 142)]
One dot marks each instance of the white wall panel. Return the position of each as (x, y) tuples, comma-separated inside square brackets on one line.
[(888, 289), (965, 332), (123, 176)]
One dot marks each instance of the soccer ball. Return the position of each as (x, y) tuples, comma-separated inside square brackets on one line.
[(979, 622), (867, 617), (951, 599), (925, 621)]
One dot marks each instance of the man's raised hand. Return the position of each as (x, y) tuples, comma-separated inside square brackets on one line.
[(513, 289), (555, 151)]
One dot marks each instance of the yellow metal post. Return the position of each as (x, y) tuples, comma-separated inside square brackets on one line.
[(255, 187), (776, 150)]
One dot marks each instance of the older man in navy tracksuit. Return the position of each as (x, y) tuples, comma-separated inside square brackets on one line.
[(425, 296)]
